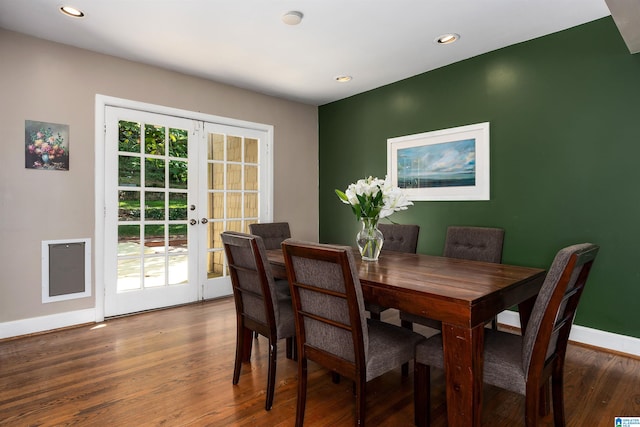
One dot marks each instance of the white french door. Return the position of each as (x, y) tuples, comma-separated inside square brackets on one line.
[(172, 185)]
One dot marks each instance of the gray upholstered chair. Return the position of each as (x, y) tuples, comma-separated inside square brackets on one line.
[(272, 233), (331, 326), (473, 243), (262, 304), (398, 238), (524, 364)]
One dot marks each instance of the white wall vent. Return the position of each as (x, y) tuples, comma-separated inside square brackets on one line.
[(66, 269)]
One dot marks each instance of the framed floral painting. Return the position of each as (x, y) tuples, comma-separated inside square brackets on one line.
[(46, 145), (447, 164)]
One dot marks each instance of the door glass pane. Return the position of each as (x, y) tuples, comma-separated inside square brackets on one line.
[(234, 177), (177, 174), (128, 205), (216, 176), (128, 240), (234, 148), (154, 206), (251, 178), (154, 139), (178, 143), (178, 270), (154, 272), (216, 205), (216, 146), (251, 205), (177, 238), (128, 171), (129, 136), (251, 150), (154, 173), (234, 205), (177, 206)]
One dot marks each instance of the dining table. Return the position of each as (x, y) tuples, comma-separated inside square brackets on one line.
[(464, 295)]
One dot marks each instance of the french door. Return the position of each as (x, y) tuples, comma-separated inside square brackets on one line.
[(172, 185)]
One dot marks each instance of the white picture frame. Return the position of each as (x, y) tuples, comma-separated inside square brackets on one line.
[(447, 164)]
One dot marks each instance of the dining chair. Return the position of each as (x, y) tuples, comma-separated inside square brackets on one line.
[(398, 238), (472, 243), (524, 363), (262, 303), (272, 233), (331, 326)]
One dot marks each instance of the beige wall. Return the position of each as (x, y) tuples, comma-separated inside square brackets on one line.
[(49, 82)]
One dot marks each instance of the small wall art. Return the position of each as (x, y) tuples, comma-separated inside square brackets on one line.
[(46, 145), (448, 164)]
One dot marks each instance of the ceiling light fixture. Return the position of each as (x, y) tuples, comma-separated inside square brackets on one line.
[(292, 18), (448, 38), (71, 11), (343, 79)]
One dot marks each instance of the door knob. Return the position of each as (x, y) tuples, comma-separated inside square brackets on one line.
[(204, 220), (193, 222)]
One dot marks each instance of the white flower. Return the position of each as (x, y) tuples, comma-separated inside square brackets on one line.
[(374, 197)]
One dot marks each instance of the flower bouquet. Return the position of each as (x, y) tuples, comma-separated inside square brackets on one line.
[(372, 199)]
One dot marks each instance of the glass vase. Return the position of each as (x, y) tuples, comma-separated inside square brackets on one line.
[(369, 239)]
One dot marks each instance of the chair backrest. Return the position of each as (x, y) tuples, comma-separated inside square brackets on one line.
[(547, 332), (400, 237), (252, 280), (474, 243), (328, 305), (272, 233)]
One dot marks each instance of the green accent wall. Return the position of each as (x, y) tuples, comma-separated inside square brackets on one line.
[(564, 113)]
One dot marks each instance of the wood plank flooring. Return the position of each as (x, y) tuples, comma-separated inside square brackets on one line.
[(174, 367)]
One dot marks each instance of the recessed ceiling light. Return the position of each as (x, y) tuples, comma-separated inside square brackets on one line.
[(447, 38), (292, 18), (343, 79), (71, 11)]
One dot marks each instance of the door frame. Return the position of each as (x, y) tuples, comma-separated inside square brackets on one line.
[(101, 102)]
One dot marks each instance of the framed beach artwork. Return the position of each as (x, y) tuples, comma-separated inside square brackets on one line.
[(46, 145), (447, 164)]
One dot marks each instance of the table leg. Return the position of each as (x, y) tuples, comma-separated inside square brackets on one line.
[(463, 358)]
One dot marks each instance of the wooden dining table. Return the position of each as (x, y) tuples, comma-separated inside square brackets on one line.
[(464, 295)]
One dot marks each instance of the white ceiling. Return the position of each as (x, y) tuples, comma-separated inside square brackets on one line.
[(244, 43)]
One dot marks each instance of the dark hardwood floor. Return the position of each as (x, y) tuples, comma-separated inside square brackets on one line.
[(174, 367)]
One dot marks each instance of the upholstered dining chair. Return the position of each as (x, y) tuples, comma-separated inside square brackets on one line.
[(472, 243), (272, 233), (524, 363), (262, 304), (331, 326), (398, 238)]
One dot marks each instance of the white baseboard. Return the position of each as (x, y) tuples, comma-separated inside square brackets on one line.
[(589, 336), (580, 334), (46, 323)]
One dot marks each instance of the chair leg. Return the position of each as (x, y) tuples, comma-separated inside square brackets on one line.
[(237, 367), (406, 324), (271, 378), (302, 391), (405, 366), (360, 386), (422, 394), (532, 407), (405, 369), (335, 377), (375, 316), (557, 394), (290, 348)]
